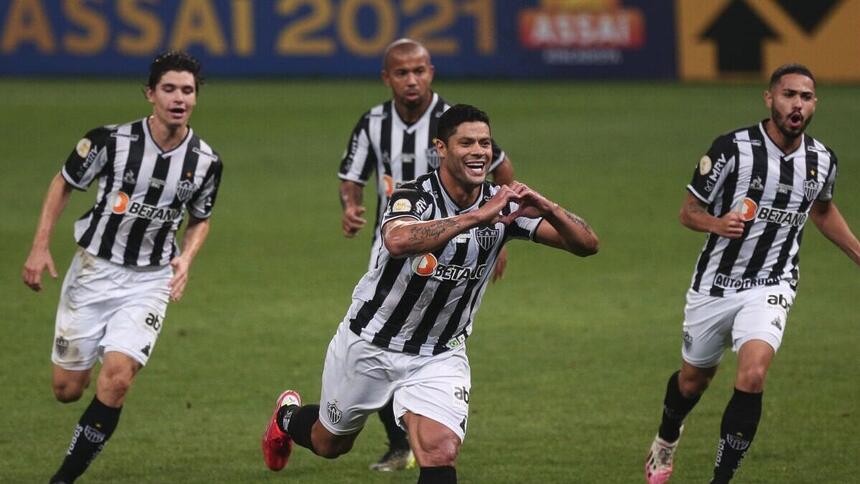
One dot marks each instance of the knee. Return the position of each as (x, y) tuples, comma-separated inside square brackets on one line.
[(113, 386), (693, 384), (752, 379), (332, 449), (441, 453), (66, 392)]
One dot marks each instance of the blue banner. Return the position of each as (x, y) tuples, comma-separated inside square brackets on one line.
[(341, 38)]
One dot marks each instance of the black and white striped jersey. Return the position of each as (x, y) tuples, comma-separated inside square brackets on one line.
[(143, 191), (426, 304), (398, 152), (746, 172)]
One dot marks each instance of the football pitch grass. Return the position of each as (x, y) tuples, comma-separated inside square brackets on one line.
[(569, 356)]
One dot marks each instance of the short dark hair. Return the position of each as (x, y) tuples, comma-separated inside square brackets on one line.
[(457, 115), (786, 69), (174, 60)]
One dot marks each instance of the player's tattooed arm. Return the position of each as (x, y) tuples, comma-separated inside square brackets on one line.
[(405, 237), (579, 221)]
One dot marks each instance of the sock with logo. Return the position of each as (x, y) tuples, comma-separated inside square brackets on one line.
[(675, 408), (740, 422), (397, 439), (91, 434), (298, 422), (438, 475)]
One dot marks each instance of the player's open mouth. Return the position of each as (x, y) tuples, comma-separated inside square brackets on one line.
[(177, 111), (796, 119), (476, 167)]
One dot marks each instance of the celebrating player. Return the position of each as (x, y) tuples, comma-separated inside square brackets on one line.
[(128, 264), (395, 139), (404, 336), (752, 193)]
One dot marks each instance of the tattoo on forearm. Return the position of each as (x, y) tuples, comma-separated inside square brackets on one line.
[(431, 230), (578, 220)]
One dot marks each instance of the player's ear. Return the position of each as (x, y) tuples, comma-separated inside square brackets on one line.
[(385, 78), (441, 147), (768, 99)]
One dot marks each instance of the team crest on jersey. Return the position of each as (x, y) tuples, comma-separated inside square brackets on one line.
[(810, 188), (487, 237), (433, 158), (334, 413), (184, 190), (62, 345)]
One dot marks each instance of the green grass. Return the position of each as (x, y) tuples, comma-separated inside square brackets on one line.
[(569, 356)]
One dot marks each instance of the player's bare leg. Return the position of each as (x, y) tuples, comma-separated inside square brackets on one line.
[(743, 412), (436, 448), (100, 418)]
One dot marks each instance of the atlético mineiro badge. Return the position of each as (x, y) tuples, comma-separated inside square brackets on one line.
[(184, 190), (810, 188), (433, 159), (334, 413), (487, 237)]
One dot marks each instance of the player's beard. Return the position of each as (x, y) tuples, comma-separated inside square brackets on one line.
[(780, 122)]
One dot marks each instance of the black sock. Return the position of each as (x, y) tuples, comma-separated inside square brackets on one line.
[(740, 422), (91, 434), (298, 421), (438, 475), (396, 436), (675, 408)]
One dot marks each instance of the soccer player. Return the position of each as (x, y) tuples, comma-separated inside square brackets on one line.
[(404, 334), (395, 139), (752, 193), (128, 264)]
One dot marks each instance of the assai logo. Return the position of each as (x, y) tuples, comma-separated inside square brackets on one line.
[(424, 265)]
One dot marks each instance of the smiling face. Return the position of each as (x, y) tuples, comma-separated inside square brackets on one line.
[(173, 99), (467, 155), (792, 102)]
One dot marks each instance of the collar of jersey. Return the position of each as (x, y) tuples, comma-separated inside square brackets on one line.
[(773, 148), (449, 201), (410, 128), (152, 140)]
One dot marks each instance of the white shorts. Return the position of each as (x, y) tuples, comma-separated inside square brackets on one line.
[(712, 323), (108, 307), (359, 378)]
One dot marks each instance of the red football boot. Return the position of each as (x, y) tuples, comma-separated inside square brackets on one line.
[(277, 445)]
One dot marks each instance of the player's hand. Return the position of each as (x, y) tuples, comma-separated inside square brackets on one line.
[(352, 220), (531, 203), (501, 263), (177, 283), (491, 212), (36, 263), (730, 225)]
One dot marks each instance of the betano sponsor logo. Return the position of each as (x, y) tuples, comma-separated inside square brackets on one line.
[(427, 265), (121, 204), (782, 217)]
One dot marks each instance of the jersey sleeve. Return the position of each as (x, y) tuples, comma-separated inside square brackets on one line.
[(713, 169), (87, 160), (408, 202), (359, 159), (826, 193), (498, 156), (201, 204)]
